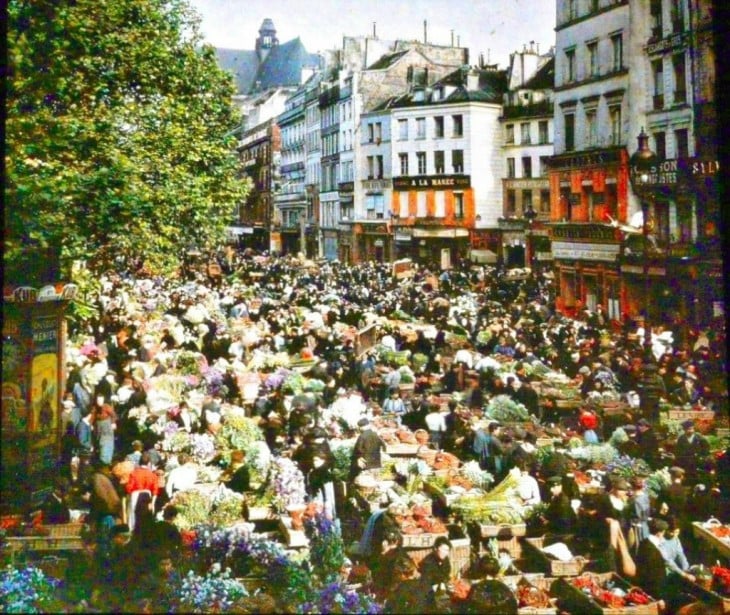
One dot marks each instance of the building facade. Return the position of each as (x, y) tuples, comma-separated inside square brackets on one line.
[(447, 165), (527, 122), (589, 180)]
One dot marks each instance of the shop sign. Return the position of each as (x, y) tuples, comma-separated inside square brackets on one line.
[(376, 185), (528, 184), (666, 44), (579, 161), (585, 251), (640, 270), (432, 182), (670, 172), (543, 256)]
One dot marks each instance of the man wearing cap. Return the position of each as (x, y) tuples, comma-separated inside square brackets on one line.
[(366, 453), (673, 499), (650, 563), (560, 515), (691, 450), (648, 443)]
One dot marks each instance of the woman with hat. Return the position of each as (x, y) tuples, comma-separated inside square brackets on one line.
[(559, 515)]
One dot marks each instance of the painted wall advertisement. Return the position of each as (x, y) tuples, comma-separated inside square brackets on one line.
[(44, 378), (15, 376)]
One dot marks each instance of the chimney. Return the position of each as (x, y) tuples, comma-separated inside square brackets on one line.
[(425, 32), (375, 34), (538, 48), (458, 40), (452, 38)]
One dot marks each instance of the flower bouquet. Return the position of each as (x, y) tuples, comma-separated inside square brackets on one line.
[(227, 507), (337, 597), (503, 408), (342, 452), (288, 482), (215, 591), (193, 508), (202, 447), (27, 590)]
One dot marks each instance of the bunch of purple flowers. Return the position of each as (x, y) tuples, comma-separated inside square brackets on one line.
[(337, 597)]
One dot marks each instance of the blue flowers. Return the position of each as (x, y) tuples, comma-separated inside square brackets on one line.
[(214, 591), (336, 597), (26, 590)]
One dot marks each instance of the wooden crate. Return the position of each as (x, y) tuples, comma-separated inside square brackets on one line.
[(543, 583), (420, 541), (705, 595), (460, 555), (502, 530), (512, 545), (52, 566), (550, 565), (696, 415), (580, 602), (717, 543), (19, 544)]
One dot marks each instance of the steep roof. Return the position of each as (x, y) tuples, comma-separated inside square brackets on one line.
[(242, 63), (544, 78), (281, 67), (387, 60)]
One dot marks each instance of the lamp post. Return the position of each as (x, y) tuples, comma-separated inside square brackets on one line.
[(530, 214), (643, 169)]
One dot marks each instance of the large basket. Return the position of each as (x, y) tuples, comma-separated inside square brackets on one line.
[(550, 565), (511, 545), (582, 603), (420, 541)]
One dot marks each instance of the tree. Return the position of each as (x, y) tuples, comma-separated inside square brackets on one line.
[(118, 131)]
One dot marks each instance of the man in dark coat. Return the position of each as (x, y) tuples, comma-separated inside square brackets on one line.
[(648, 443), (560, 516), (650, 565), (368, 446), (691, 450)]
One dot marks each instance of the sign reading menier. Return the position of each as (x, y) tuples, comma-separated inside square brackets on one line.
[(585, 251)]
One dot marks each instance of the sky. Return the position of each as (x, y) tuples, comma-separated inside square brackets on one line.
[(494, 28)]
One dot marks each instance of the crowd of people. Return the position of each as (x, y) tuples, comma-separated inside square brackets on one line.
[(314, 311)]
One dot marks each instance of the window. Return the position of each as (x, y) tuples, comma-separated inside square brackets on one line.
[(677, 16), (371, 133), (375, 132), (378, 168), (657, 68), (526, 200), (591, 128), (570, 64), (544, 165), (403, 158), (660, 145), (617, 46), (458, 123), (403, 204), (615, 115), (544, 205), (542, 132), (511, 203), (510, 168), (439, 204), (438, 126), (459, 204), (457, 160), (572, 9), (420, 128), (527, 167), (655, 10), (594, 6), (525, 134), (509, 136), (403, 130), (371, 167), (421, 158), (592, 59), (421, 210), (680, 80), (569, 131), (439, 162), (681, 139)]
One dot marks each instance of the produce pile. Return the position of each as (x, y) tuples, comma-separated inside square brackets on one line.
[(610, 596), (494, 507), (530, 596)]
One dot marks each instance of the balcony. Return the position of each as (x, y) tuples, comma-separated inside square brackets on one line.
[(677, 25), (657, 102), (680, 97), (544, 107), (656, 33)]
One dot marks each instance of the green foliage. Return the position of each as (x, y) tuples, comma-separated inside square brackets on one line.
[(117, 131)]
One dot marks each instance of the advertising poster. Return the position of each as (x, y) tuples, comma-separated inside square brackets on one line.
[(14, 406), (44, 378)]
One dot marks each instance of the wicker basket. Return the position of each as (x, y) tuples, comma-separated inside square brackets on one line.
[(511, 545), (63, 529), (420, 541)]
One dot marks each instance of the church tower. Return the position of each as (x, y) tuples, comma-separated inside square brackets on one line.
[(266, 40)]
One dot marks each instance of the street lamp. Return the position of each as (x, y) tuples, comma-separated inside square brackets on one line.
[(530, 214), (643, 172)]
